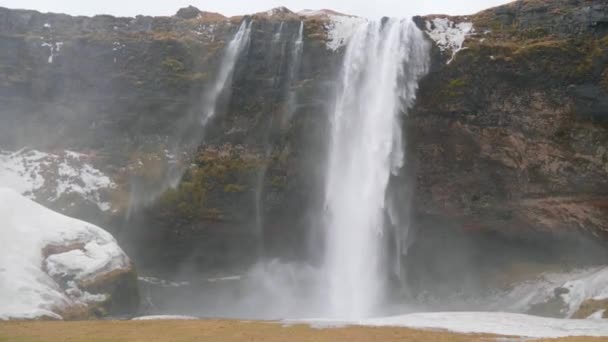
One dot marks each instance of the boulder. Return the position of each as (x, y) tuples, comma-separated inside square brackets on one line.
[(56, 267)]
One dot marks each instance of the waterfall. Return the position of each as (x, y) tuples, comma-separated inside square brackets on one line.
[(280, 80), (188, 133), (381, 68), (233, 51), (294, 68), (277, 35)]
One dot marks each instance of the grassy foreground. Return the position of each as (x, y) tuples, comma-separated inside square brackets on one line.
[(214, 330)]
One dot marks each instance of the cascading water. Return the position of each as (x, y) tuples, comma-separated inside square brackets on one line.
[(231, 55), (233, 51), (381, 68), (280, 80), (294, 67), (277, 35), (142, 196)]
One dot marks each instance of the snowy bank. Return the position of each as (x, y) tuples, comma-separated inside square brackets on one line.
[(571, 290), (51, 264), (48, 177), (498, 323)]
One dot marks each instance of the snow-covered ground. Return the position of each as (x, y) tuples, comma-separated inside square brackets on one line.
[(164, 318), (45, 176), (509, 324), (497, 323), (28, 286)]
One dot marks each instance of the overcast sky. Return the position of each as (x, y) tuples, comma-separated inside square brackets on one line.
[(366, 8)]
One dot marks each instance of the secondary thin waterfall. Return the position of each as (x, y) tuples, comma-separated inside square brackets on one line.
[(381, 68), (223, 79), (294, 68), (276, 64), (233, 51)]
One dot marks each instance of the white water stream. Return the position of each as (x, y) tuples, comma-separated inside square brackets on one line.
[(233, 51), (381, 69)]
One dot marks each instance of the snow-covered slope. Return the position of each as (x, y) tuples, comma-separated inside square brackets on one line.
[(46, 257), (47, 177)]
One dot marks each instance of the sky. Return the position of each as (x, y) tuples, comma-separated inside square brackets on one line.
[(365, 8)]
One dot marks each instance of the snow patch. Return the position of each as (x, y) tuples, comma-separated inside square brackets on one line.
[(162, 282), (229, 278), (27, 285), (340, 29), (592, 284), (206, 31), (54, 49), (84, 263), (448, 35), (39, 175), (117, 48), (499, 323), (311, 13), (316, 13), (506, 324), (573, 289), (597, 315)]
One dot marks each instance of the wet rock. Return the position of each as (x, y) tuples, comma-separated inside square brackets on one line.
[(592, 306)]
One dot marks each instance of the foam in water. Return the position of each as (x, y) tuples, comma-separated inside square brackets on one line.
[(381, 68)]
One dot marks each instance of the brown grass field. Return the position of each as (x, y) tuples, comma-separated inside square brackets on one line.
[(218, 330)]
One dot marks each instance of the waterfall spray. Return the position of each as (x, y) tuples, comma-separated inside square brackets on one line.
[(280, 79), (233, 51), (294, 68), (381, 68), (277, 35)]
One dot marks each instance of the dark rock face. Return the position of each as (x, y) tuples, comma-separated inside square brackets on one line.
[(562, 18), (509, 140), (513, 130)]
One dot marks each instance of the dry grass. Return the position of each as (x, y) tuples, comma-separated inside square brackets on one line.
[(214, 330)]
